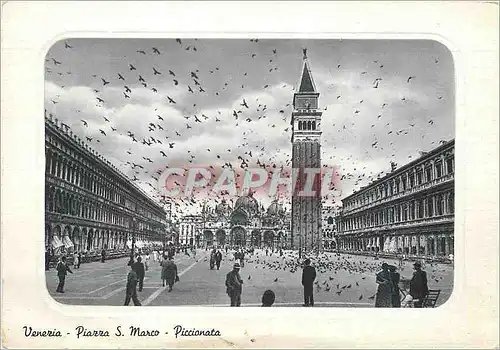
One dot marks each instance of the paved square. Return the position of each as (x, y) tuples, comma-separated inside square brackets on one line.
[(345, 281)]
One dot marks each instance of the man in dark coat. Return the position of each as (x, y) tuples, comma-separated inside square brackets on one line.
[(308, 277), (234, 285), (396, 299), (169, 273), (62, 270), (218, 258), (139, 269), (131, 288), (418, 285), (103, 255)]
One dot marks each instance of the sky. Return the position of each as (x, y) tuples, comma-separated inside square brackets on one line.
[(121, 86)]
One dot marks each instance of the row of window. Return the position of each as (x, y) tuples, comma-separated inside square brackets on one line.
[(415, 177), (435, 205), (307, 125), (100, 185), (68, 204)]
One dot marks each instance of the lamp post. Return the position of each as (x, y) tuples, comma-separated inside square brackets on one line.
[(134, 227)]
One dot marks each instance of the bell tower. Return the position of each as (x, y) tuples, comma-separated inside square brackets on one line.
[(306, 154)]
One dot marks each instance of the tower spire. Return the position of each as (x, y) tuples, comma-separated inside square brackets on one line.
[(306, 84)]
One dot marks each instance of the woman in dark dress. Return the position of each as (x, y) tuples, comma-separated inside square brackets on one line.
[(384, 290)]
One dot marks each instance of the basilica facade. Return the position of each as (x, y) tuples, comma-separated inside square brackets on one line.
[(246, 224)]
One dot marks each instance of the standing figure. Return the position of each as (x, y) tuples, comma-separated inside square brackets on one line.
[(131, 288), (308, 277), (418, 285), (169, 273), (79, 259), (171, 252), (385, 287), (76, 260), (140, 271), (234, 285), (218, 258), (242, 258), (103, 255), (396, 299), (146, 261), (212, 259), (62, 270), (47, 258)]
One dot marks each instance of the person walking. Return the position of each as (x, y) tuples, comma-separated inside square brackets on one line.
[(396, 299), (242, 258), (212, 260), (218, 258), (308, 277), (169, 273), (234, 285), (268, 298), (79, 259), (131, 288), (146, 261), (140, 271), (385, 287), (62, 270), (418, 285), (103, 255)]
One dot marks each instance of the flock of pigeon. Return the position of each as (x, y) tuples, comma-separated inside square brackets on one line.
[(252, 151), (344, 277)]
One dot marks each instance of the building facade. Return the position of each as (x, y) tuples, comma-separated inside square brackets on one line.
[(89, 204), (190, 227), (408, 211), (306, 154), (246, 224), (329, 227)]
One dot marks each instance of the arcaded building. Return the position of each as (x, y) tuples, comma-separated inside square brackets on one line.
[(409, 211), (246, 224), (90, 204)]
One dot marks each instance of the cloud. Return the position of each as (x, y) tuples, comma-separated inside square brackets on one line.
[(364, 128)]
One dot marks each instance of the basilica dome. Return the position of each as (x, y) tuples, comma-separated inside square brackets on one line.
[(247, 203), (223, 209), (275, 209)]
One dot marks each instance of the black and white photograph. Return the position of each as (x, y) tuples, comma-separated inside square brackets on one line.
[(249, 172), (167, 163)]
